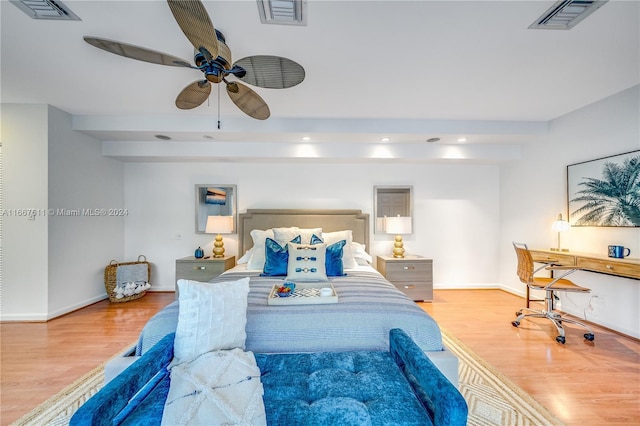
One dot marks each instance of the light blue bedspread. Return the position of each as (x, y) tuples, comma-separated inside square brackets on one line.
[(368, 307)]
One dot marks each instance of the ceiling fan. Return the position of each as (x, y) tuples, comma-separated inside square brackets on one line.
[(213, 58)]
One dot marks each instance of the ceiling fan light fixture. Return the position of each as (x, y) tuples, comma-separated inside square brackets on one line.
[(283, 12)]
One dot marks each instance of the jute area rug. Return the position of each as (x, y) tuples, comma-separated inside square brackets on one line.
[(492, 398)]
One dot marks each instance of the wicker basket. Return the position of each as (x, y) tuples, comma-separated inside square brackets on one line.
[(121, 278)]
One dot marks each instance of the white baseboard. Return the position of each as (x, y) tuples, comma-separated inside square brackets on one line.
[(77, 306), (464, 286), (520, 292), (479, 286), (23, 317), (161, 289), (39, 317)]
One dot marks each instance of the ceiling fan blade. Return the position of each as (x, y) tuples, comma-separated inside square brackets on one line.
[(248, 101), (136, 52), (194, 21), (194, 94), (273, 72)]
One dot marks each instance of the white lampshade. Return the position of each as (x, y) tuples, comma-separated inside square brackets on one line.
[(398, 225), (219, 225), (561, 225)]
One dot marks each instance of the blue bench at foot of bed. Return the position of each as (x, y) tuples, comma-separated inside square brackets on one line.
[(400, 387)]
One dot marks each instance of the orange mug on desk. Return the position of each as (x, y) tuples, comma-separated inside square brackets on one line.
[(619, 252)]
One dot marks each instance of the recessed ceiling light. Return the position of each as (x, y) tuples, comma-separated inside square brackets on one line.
[(430, 140), (163, 137), (462, 139), (306, 138), (385, 139)]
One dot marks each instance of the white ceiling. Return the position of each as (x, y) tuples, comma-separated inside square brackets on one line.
[(410, 70)]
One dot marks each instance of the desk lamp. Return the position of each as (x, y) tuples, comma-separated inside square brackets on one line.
[(219, 225), (398, 225), (560, 225)]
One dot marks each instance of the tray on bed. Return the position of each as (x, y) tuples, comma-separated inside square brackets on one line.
[(304, 294)]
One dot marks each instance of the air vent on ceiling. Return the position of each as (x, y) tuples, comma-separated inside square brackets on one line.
[(46, 9), (283, 12), (566, 14)]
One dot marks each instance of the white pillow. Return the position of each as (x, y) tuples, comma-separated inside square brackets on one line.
[(284, 235), (211, 317), (348, 261), (246, 256), (221, 387), (359, 252), (257, 257), (306, 262)]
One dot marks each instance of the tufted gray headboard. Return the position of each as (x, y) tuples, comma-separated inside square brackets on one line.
[(328, 220)]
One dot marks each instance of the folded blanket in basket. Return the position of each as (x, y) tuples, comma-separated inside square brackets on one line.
[(221, 385)]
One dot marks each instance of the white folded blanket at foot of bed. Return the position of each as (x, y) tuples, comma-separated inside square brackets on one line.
[(218, 387)]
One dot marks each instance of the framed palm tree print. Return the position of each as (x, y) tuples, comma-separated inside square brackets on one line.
[(605, 192)]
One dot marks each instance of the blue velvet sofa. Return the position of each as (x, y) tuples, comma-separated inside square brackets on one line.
[(399, 387)]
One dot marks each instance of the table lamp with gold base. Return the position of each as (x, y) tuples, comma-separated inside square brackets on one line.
[(398, 225), (219, 225)]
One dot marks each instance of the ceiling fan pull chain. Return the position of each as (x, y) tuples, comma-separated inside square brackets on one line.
[(218, 108)]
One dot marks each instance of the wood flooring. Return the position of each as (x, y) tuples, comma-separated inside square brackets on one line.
[(39, 359), (580, 382)]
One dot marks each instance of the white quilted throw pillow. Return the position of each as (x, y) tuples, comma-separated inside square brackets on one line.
[(217, 388), (211, 317)]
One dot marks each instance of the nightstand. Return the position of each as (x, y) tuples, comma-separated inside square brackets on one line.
[(190, 268), (413, 275)]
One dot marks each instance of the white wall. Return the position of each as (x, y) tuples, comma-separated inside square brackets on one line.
[(533, 192), (80, 247), (24, 242), (455, 207), (53, 264)]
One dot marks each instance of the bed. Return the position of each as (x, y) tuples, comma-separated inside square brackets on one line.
[(370, 320), (368, 307)]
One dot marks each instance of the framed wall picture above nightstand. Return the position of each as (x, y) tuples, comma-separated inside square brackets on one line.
[(190, 268), (413, 275)]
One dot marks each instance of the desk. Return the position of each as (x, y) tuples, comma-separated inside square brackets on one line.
[(627, 267)]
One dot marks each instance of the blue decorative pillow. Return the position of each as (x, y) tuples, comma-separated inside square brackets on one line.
[(316, 240), (276, 258), (333, 259)]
